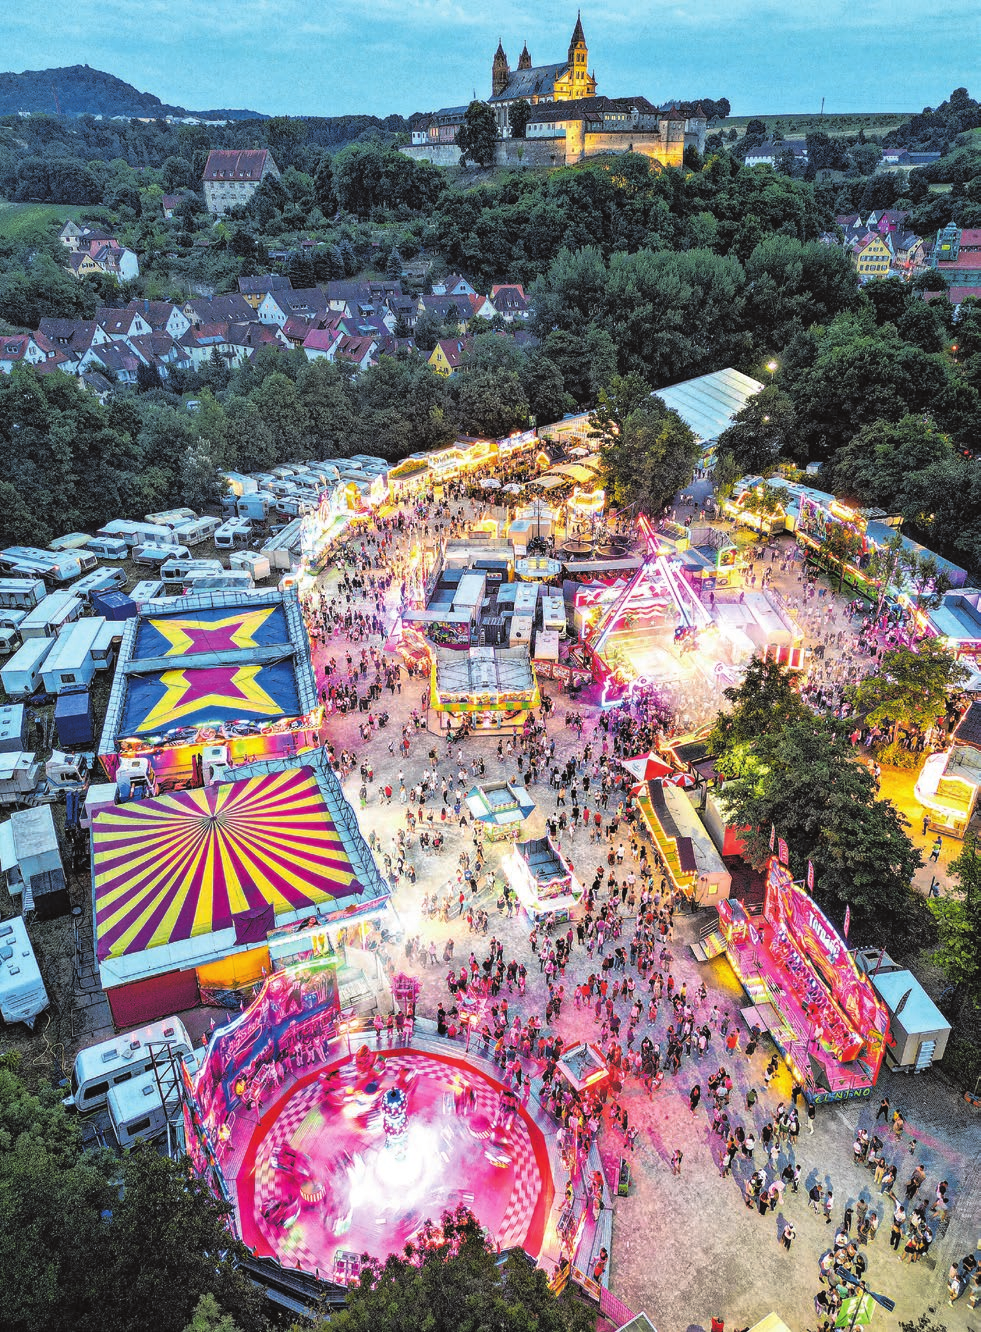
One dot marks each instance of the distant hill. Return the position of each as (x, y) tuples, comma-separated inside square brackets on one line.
[(77, 90)]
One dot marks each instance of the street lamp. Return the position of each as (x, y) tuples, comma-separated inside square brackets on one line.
[(773, 367)]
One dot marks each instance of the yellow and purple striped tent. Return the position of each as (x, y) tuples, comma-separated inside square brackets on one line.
[(194, 862)]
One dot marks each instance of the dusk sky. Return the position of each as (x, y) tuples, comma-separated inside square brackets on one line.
[(382, 56)]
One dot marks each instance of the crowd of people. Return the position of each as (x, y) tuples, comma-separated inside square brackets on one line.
[(608, 975)]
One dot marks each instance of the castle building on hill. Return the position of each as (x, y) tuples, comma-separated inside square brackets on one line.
[(568, 81), (568, 121)]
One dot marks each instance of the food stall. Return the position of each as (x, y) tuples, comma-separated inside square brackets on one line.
[(542, 879), (500, 808)]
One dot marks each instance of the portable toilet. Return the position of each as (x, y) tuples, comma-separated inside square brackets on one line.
[(114, 606), (22, 992), (13, 728), (73, 718), (22, 673)]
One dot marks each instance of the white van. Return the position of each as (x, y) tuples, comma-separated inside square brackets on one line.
[(109, 548), (155, 557), (120, 1060), (175, 571), (136, 1108)]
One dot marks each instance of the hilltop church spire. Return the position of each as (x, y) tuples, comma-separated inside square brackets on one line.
[(578, 42), (500, 70), (524, 60)]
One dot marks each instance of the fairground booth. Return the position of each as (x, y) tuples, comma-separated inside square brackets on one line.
[(486, 687), (806, 990), (691, 860), (500, 808), (948, 784), (542, 878), (218, 669), (204, 891)]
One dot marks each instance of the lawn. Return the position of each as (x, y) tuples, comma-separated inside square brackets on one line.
[(17, 219), (798, 125)]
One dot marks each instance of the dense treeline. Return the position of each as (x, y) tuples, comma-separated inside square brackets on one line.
[(72, 463)]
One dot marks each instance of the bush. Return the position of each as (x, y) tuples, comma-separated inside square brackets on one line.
[(897, 756), (962, 1062)]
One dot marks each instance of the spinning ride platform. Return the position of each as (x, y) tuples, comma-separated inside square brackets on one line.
[(323, 1178)]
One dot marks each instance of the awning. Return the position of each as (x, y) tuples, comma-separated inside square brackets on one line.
[(8, 854)]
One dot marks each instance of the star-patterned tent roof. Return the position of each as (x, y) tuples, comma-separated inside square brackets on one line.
[(189, 863), (186, 697)]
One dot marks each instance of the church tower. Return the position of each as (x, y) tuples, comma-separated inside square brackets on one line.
[(524, 60), (577, 47), (501, 72), (575, 81)]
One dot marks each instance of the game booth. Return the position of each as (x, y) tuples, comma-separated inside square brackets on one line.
[(327, 1149), (500, 808), (821, 1010), (214, 670), (483, 687), (543, 879), (200, 893)]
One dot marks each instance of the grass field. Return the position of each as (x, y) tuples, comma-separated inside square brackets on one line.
[(16, 219), (797, 126)]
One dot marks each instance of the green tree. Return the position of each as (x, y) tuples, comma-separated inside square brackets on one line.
[(726, 471), (519, 113), (623, 395), (911, 687), (651, 459), (759, 431), (477, 136), (428, 331), (451, 1280), (958, 917)]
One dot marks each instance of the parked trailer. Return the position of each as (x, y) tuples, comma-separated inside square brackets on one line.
[(175, 571), (21, 593), (139, 534), (109, 548), (229, 580), (71, 541), (52, 614), (155, 557), (101, 580), (148, 589), (232, 535), (111, 1063), (22, 992), (22, 674), (255, 506), (20, 776), (170, 517), (238, 483), (52, 566), (136, 1108), (196, 531), (79, 651), (257, 564)]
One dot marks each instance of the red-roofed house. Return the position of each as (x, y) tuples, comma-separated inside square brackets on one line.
[(19, 349), (232, 176), (358, 351), (447, 355), (320, 343), (509, 301)]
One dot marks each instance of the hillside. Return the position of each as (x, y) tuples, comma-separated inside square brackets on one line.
[(77, 90)]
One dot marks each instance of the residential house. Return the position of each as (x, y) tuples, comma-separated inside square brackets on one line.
[(76, 235), (117, 359), (121, 324), (448, 309), (232, 175), (245, 339), (104, 256), (219, 309), (321, 343), (769, 153), (254, 288), (73, 336), (509, 301), (170, 204), (872, 257), (160, 351), (447, 354), (202, 340), (162, 316), (97, 384), (19, 349), (358, 351), (886, 220), (908, 252), (276, 307), (453, 285)]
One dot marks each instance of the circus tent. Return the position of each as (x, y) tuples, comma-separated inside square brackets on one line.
[(188, 886)]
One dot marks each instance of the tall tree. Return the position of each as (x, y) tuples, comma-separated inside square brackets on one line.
[(477, 136), (958, 918), (911, 687)]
